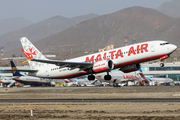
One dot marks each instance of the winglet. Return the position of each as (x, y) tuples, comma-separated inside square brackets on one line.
[(140, 70)]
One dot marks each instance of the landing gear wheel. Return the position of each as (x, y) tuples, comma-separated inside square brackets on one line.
[(107, 77), (161, 64), (91, 77)]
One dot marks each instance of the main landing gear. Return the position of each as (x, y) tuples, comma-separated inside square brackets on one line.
[(91, 77), (107, 77)]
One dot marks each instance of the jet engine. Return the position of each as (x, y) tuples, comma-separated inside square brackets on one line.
[(103, 66), (130, 68)]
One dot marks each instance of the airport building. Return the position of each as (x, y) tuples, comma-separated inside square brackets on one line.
[(8, 74), (170, 70)]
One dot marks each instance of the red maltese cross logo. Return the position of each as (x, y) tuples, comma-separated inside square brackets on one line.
[(30, 54)]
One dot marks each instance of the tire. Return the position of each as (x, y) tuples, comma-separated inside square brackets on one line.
[(161, 64)]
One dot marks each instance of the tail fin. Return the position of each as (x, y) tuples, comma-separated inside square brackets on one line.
[(14, 72), (142, 76), (30, 51)]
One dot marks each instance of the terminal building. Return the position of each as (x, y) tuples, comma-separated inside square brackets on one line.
[(7, 75), (170, 70)]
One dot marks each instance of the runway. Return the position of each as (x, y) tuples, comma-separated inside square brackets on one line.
[(148, 102), (95, 100)]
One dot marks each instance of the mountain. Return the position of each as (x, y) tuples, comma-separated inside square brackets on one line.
[(169, 32), (40, 30), (79, 19), (11, 24), (90, 35), (35, 32), (144, 24), (171, 8)]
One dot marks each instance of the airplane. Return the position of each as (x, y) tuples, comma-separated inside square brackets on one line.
[(80, 82), (9, 83), (159, 80), (123, 79), (126, 59), (29, 80)]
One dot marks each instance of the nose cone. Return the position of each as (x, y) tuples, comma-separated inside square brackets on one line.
[(173, 47)]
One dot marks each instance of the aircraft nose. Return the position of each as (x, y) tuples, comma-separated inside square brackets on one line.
[(174, 47), (171, 48)]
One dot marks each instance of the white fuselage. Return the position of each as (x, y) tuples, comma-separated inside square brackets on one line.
[(123, 56), (161, 80), (119, 78)]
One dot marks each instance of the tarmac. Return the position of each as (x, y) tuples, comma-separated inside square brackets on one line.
[(132, 102)]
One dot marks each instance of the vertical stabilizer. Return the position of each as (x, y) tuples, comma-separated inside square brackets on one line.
[(14, 72), (142, 76), (30, 51)]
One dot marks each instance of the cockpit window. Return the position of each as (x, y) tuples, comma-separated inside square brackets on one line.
[(164, 43)]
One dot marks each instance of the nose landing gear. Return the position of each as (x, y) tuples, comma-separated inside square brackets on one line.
[(162, 64), (162, 59)]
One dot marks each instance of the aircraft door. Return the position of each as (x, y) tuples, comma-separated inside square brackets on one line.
[(47, 72), (152, 47)]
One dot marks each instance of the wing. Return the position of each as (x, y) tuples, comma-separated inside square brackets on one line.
[(72, 65)]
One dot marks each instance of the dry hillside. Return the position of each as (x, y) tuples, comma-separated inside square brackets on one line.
[(135, 22), (144, 24)]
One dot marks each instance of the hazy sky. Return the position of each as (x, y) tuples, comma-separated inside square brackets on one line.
[(37, 10)]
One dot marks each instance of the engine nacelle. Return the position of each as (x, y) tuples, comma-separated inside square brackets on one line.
[(130, 68), (103, 66)]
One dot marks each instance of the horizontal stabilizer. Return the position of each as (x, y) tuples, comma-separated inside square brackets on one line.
[(21, 70)]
